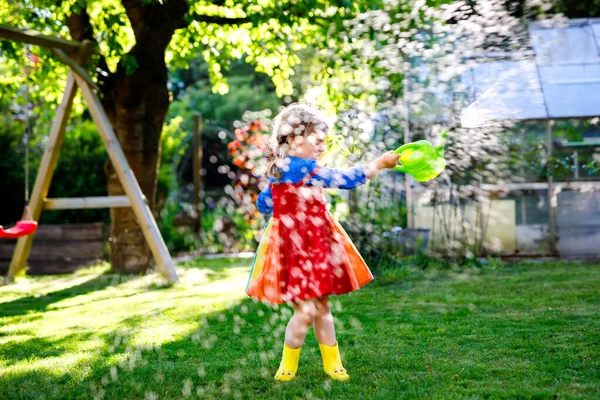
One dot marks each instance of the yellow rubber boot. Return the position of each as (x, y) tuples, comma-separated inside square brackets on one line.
[(332, 363), (289, 364)]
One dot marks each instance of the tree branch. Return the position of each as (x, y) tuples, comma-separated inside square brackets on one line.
[(217, 20), (285, 16), (135, 14), (81, 29)]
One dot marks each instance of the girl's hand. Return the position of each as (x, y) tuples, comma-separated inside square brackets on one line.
[(387, 160)]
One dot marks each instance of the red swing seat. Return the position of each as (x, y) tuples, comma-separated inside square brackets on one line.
[(22, 228)]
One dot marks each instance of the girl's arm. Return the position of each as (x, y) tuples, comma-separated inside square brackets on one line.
[(336, 178), (264, 202), (350, 178)]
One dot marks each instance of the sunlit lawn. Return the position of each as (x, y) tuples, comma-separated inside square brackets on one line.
[(522, 331)]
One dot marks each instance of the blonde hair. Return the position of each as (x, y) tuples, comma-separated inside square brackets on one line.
[(297, 119)]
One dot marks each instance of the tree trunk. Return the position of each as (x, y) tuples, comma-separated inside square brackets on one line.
[(136, 104), (141, 102)]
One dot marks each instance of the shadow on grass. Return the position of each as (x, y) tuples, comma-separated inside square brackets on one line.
[(212, 361), (41, 347), (26, 305)]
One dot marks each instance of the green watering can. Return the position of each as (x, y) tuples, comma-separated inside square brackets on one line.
[(421, 159)]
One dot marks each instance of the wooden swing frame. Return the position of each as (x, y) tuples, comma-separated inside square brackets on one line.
[(78, 78)]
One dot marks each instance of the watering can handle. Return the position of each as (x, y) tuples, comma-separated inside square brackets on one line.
[(400, 150)]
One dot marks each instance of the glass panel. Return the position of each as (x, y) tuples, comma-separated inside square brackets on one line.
[(555, 46), (596, 29), (497, 106), (572, 91), (505, 90), (578, 218), (505, 76), (532, 230)]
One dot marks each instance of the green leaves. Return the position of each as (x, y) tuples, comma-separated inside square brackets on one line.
[(112, 29), (272, 39)]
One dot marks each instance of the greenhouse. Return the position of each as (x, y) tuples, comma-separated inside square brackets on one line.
[(545, 99)]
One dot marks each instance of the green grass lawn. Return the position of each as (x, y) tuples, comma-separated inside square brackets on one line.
[(520, 331)]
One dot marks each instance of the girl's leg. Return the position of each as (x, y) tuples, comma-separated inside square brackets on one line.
[(300, 323), (324, 328), (325, 332), (295, 333)]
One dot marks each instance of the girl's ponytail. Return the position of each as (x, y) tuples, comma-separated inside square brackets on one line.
[(273, 170)]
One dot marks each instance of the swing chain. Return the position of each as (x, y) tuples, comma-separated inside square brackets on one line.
[(27, 123), (26, 211)]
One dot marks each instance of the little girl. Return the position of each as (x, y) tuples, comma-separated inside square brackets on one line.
[(304, 255)]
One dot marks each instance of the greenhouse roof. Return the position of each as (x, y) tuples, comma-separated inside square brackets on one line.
[(561, 81)]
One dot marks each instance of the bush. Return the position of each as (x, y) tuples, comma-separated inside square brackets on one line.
[(79, 173)]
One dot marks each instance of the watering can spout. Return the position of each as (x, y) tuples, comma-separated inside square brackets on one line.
[(440, 147)]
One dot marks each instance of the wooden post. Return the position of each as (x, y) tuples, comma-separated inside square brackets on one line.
[(44, 175), (522, 198), (130, 184), (552, 196), (481, 198), (38, 38), (408, 179), (197, 170), (74, 67), (78, 203)]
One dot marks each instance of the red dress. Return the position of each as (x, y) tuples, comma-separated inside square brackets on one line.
[(304, 253)]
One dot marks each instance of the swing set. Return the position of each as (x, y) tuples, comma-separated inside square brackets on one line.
[(74, 54)]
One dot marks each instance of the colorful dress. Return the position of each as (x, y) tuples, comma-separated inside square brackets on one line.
[(304, 253)]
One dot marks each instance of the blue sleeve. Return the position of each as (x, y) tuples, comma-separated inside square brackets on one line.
[(349, 178), (264, 203)]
